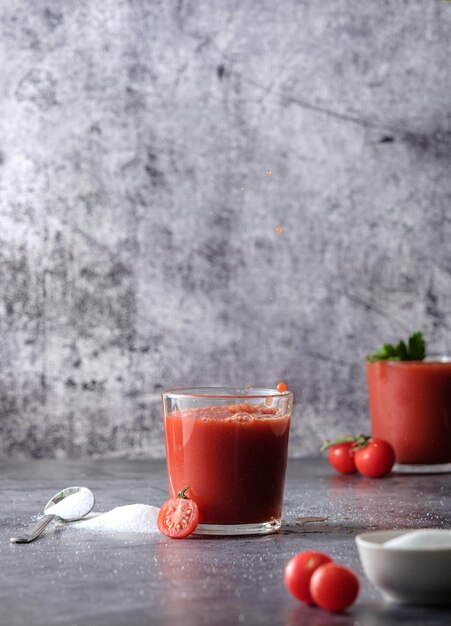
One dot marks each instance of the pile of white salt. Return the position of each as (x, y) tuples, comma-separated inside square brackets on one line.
[(73, 505), (423, 539), (131, 518)]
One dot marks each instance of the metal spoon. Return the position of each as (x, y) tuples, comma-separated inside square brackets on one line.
[(62, 507)]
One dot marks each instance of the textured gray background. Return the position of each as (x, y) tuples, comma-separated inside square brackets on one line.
[(150, 150)]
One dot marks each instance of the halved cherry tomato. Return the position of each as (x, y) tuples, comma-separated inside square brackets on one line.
[(178, 517), (375, 459), (298, 572), (334, 587), (341, 457)]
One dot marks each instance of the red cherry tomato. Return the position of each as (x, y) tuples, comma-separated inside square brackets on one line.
[(298, 572), (341, 457), (281, 387), (178, 517), (333, 587), (376, 459)]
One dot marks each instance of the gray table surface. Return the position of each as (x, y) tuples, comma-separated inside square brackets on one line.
[(76, 578)]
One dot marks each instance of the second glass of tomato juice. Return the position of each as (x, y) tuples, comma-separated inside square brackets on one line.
[(230, 447), (410, 407)]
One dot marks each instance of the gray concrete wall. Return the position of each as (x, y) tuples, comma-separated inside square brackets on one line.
[(149, 152)]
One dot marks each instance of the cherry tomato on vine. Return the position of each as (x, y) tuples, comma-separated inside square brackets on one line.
[(178, 517), (375, 459), (341, 457), (333, 587), (298, 572)]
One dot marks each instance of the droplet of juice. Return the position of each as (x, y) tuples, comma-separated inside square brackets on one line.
[(268, 400), (279, 229)]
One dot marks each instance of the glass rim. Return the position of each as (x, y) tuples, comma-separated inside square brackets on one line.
[(253, 393), (430, 359)]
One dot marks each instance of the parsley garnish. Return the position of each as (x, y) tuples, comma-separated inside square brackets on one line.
[(414, 350)]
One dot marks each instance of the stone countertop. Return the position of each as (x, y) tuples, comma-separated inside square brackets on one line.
[(70, 577)]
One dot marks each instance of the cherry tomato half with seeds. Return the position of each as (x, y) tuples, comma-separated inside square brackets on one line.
[(376, 459), (333, 587), (341, 457), (298, 572), (178, 517)]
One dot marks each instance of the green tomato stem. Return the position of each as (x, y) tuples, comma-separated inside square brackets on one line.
[(359, 441), (181, 494)]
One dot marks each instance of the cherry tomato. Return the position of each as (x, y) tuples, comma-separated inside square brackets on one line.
[(376, 459), (178, 517), (298, 572), (334, 587), (281, 387), (341, 457)]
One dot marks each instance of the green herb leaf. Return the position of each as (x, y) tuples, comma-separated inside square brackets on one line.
[(417, 347), (414, 350)]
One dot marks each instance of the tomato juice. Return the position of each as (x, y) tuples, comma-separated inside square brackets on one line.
[(233, 457), (410, 407)]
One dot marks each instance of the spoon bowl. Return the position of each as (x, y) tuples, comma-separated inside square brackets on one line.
[(68, 505), (71, 503)]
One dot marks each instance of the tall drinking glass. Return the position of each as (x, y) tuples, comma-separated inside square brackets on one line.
[(410, 407), (230, 447)]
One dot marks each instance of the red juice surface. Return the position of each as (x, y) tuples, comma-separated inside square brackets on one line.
[(410, 407), (232, 457)]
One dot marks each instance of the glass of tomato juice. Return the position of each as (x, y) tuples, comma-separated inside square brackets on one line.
[(410, 407), (230, 447)]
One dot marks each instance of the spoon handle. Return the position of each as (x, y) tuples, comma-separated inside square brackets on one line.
[(34, 531)]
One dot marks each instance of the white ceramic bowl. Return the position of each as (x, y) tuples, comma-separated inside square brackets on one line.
[(413, 576)]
